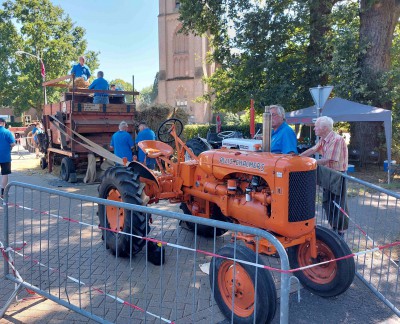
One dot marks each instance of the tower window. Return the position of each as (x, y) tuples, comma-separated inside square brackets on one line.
[(177, 4)]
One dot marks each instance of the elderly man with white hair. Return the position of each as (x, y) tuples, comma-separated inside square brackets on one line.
[(334, 153), (331, 146), (122, 142)]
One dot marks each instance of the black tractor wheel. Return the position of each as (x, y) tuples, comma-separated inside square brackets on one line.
[(164, 131), (204, 230), (67, 171), (247, 291), (197, 146), (43, 163), (326, 280), (122, 184)]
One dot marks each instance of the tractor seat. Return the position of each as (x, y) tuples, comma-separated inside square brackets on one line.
[(155, 149)]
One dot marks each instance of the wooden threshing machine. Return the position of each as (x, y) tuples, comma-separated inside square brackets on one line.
[(76, 115)]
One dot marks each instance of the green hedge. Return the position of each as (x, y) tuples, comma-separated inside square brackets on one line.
[(192, 131), (14, 124)]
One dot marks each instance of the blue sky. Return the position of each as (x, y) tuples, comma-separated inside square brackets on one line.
[(125, 32)]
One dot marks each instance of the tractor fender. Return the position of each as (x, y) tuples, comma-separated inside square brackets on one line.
[(143, 171)]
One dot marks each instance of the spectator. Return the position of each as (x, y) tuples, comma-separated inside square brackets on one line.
[(283, 138), (81, 70), (100, 84), (7, 142), (145, 133), (334, 153), (37, 129), (122, 142)]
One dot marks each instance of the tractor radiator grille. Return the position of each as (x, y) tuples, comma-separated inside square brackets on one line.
[(302, 190)]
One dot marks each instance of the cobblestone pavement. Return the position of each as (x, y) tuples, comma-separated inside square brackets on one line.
[(173, 291)]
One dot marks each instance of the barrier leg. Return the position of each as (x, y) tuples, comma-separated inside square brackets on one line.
[(18, 287)]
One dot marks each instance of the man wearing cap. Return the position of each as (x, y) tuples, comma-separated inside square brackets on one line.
[(100, 84), (145, 133), (7, 142), (81, 70), (122, 142)]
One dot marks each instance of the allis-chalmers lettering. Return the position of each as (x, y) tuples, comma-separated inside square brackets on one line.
[(243, 163)]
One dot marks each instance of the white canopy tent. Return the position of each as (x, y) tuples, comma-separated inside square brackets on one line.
[(345, 110)]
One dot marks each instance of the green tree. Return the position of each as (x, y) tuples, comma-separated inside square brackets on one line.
[(125, 86), (43, 30), (145, 97)]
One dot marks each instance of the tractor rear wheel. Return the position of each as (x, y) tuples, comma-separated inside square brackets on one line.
[(198, 146), (247, 291), (122, 184), (204, 230), (326, 280)]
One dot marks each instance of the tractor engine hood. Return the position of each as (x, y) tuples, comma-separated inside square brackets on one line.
[(222, 162)]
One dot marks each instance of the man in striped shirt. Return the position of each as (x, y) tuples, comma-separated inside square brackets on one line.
[(334, 153)]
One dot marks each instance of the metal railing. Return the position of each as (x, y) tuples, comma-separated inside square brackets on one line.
[(373, 235), (53, 246)]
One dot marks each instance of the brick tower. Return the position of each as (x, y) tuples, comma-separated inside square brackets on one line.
[(182, 65)]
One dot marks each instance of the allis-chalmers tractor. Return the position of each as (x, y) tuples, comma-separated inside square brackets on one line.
[(273, 192)]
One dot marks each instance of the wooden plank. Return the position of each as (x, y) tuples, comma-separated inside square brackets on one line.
[(50, 82), (109, 108), (106, 91)]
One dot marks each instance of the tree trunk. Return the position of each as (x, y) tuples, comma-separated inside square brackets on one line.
[(317, 52), (378, 20), (377, 24)]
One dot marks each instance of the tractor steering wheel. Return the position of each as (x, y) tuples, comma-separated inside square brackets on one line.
[(226, 134), (164, 131)]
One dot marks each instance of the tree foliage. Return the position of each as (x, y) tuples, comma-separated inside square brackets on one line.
[(125, 86), (274, 51), (45, 31)]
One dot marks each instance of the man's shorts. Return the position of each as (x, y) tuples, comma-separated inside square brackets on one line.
[(5, 168)]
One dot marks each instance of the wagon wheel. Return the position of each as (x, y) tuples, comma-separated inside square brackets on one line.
[(67, 171), (30, 143), (164, 131), (122, 184), (247, 291), (330, 279)]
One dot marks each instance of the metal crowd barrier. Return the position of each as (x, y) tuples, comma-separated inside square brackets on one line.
[(55, 249), (374, 226)]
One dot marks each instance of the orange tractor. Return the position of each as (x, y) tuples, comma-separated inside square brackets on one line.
[(273, 192)]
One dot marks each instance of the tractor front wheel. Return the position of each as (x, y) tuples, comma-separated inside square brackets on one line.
[(329, 279), (247, 291), (122, 184)]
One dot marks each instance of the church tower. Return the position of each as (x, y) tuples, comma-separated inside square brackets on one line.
[(182, 65)]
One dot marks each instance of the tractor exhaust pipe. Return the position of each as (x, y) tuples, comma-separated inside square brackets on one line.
[(266, 130)]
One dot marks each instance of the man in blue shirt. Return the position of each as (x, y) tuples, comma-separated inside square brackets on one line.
[(81, 70), (145, 133), (283, 138), (122, 142), (100, 84), (7, 142)]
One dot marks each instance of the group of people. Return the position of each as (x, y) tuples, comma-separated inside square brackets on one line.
[(331, 146), (81, 70), (123, 145), (334, 157)]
